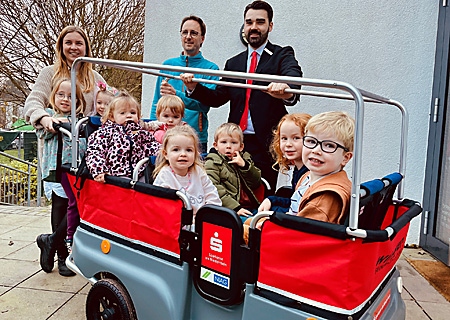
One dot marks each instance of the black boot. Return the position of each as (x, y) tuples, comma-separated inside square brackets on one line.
[(62, 268), (47, 258)]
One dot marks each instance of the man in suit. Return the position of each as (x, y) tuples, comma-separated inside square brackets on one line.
[(255, 111)]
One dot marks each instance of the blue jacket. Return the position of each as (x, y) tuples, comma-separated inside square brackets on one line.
[(196, 119)]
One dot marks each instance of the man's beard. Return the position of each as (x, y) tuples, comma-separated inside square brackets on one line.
[(256, 43)]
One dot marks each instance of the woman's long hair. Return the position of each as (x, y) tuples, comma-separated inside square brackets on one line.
[(85, 75)]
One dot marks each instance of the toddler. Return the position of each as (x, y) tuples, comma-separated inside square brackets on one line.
[(120, 143), (169, 112), (232, 171), (56, 184), (286, 149), (178, 167), (103, 97)]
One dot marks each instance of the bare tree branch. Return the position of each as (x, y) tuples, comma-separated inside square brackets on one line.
[(30, 29)]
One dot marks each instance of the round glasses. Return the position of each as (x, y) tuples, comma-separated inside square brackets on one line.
[(61, 96), (327, 146), (185, 33)]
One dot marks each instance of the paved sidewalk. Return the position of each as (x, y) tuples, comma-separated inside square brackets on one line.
[(27, 292)]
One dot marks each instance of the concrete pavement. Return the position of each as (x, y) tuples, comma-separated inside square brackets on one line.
[(27, 292)]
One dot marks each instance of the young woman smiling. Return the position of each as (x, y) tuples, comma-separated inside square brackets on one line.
[(71, 44)]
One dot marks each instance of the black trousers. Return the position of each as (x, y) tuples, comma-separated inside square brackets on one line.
[(262, 158), (59, 224)]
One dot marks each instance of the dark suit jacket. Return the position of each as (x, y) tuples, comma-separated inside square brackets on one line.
[(265, 110)]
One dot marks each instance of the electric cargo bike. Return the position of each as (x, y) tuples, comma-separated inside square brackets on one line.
[(137, 247)]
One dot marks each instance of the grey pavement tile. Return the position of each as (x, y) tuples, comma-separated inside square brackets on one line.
[(406, 295), (422, 290), (29, 252), (15, 271), (19, 219), (43, 223), (414, 312), (29, 304), (24, 233), (54, 282), (416, 254), (74, 309), (7, 228), (406, 270), (437, 311), (3, 289), (86, 289), (8, 247)]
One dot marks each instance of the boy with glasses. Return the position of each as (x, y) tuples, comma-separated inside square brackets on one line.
[(323, 193)]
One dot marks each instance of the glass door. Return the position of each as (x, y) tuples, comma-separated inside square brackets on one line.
[(435, 231)]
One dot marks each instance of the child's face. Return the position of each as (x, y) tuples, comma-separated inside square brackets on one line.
[(63, 97), (228, 145), (180, 152), (125, 112), (169, 118), (102, 102), (291, 143), (321, 163)]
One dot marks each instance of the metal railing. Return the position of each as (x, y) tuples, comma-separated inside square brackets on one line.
[(350, 93), (16, 184)]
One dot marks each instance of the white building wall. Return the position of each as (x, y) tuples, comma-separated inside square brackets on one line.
[(386, 47)]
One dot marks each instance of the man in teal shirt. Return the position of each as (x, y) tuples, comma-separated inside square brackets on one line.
[(192, 33)]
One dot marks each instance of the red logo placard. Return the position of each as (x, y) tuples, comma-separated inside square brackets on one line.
[(216, 248)]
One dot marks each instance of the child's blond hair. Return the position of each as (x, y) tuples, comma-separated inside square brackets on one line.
[(229, 129), (186, 131), (122, 97), (80, 104), (300, 119), (337, 123), (171, 102)]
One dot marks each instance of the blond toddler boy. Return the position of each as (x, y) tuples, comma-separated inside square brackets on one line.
[(232, 171)]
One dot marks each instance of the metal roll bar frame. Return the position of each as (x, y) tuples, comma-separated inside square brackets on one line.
[(358, 95)]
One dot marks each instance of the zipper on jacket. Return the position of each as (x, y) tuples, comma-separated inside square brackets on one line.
[(130, 153)]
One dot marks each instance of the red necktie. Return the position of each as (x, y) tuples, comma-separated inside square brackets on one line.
[(254, 62)]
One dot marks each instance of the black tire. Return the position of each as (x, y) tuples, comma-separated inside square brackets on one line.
[(108, 300)]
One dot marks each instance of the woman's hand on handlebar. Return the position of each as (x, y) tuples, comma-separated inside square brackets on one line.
[(47, 123), (187, 79)]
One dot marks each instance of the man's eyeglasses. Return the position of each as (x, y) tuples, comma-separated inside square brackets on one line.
[(185, 33), (60, 96), (327, 146)]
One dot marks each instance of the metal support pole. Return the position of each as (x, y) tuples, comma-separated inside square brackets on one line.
[(38, 174), (29, 185)]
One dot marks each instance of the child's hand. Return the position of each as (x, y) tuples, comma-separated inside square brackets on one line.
[(166, 88), (100, 178), (259, 225), (237, 159), (265, 205), (244, 212), (151, 125)]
